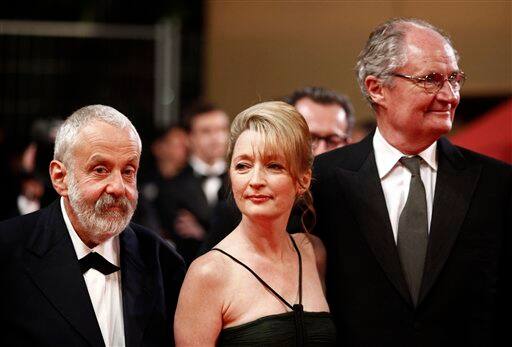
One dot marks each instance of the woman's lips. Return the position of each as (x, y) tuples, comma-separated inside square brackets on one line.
[(258, 198)]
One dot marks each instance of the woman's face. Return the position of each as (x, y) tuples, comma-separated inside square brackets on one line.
[(262, 185)]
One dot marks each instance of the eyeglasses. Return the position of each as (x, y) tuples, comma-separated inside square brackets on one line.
[(331, 141), (433, 82)]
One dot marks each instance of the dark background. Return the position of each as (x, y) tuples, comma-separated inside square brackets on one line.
[(50, 77)]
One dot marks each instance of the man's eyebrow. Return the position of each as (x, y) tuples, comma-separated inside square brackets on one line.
[(133, 159), (98, 158)]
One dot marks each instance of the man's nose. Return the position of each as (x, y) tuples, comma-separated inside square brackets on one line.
[(320, 148), (447, 93), (116, 184), (221, 136)]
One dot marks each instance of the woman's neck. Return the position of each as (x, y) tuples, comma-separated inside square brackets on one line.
[(267, 237)]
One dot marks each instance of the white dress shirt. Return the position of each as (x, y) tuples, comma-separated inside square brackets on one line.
[(104, 290), (26, 206), (395, 178), (212, 184)]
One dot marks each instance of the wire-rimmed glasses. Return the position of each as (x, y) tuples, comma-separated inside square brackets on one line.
[(433, 82)]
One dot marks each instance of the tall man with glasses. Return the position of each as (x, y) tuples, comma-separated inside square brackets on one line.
[(423, 255)]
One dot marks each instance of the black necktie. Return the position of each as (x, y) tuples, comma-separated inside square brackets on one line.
[(95, 261), (413, 229)]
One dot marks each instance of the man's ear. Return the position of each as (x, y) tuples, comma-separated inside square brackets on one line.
[(58, 174), (375, 90)]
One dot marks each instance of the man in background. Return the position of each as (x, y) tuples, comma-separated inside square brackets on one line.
[(169, 152), (330, 117), (187, 202)]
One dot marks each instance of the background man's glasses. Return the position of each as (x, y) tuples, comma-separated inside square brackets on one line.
[(331, 141), (433, 82)]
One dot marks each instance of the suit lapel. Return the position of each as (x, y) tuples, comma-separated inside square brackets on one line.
[(366, 198), (200, 197), (51, 262), (138, 289), (455, 184)]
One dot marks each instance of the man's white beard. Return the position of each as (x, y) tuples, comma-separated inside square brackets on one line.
[(100, 223)]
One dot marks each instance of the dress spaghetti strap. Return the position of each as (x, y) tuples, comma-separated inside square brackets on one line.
[(293, 307), (297, 314)]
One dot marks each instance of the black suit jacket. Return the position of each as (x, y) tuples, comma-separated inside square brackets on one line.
[(43, 295), (467, 271), (185, 192)]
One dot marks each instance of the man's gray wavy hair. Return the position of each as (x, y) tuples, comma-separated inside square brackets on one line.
[(68, 132), (384, 51)]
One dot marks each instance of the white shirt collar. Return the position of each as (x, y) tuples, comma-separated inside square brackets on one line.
[(386, 156), (202, 168), (108, 249)]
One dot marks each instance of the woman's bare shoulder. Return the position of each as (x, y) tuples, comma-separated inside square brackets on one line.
[(198, 317), (210, 269)]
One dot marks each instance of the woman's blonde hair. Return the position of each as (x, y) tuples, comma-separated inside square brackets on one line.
[(285, 132)]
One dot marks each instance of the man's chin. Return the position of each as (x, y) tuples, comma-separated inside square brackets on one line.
[(444, 129), (108, 227), (102, 236), (113, 216), (441, 126), (105, 236)]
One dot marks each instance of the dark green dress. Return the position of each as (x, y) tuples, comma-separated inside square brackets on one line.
[(295, 328)]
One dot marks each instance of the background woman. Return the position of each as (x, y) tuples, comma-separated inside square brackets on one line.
[(261, 285)]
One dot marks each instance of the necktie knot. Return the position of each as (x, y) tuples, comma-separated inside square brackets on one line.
[(412, 164), (95, 261)]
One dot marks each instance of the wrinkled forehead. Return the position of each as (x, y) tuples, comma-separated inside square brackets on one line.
[(423, 43), (109, 132), (101, 134)]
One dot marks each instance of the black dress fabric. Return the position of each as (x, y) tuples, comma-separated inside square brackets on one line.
[(295, 328)]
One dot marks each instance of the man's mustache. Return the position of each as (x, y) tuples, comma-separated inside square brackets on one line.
[(107, 201)]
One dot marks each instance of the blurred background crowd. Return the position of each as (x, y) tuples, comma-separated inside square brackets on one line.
[(181, 70)]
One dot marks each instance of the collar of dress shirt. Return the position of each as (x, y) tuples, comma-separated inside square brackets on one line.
[(108, 249), (202, 168), (26, 206), (387, 156)]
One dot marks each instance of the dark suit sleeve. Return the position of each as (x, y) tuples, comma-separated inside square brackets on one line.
[(173, 273), (504, 295), (322, 190), (154, 272)]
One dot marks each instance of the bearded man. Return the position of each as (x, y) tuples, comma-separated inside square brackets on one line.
[(78, 273)]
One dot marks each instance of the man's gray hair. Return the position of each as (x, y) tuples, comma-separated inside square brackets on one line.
[(69, 130), (385, 52)]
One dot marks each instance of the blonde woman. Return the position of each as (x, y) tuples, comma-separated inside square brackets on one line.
[(260, 285)]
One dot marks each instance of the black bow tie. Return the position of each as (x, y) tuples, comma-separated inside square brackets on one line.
[(203, 178), (95, 261)]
